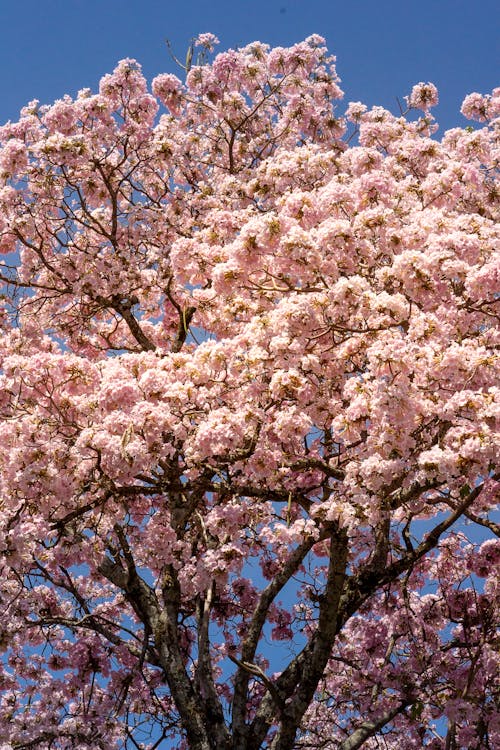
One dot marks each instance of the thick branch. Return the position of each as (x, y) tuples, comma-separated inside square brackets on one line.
[(378, 557), (367, 581), (136, 330), (486, 522), (284, 686), (204, 680), (370, 728), (250, 643), (299, 680), (122, 306), (359, 588), (137, 591), (320, 645), (185, 318), (162, 623)]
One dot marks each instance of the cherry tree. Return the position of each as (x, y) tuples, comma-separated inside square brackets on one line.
[(247, 418)]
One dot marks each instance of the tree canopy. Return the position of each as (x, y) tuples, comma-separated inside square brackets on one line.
[(248, 416)]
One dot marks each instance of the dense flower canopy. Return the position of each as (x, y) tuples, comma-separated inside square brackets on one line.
[(248, 415)]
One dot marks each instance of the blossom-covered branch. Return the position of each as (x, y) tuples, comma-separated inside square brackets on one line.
[(248, 414)]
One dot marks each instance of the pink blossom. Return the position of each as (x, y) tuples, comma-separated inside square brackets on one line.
[(355, 111), (208, 41), (423, 96), (476, 107)]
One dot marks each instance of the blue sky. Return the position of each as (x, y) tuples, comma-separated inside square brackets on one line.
[(52, 47)]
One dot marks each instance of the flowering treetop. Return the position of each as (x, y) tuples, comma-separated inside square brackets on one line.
[(249, 392)]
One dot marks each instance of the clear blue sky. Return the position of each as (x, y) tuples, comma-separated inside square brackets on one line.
[(52, 47)]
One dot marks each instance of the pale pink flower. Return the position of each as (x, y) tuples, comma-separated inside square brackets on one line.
[(423, 96)]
